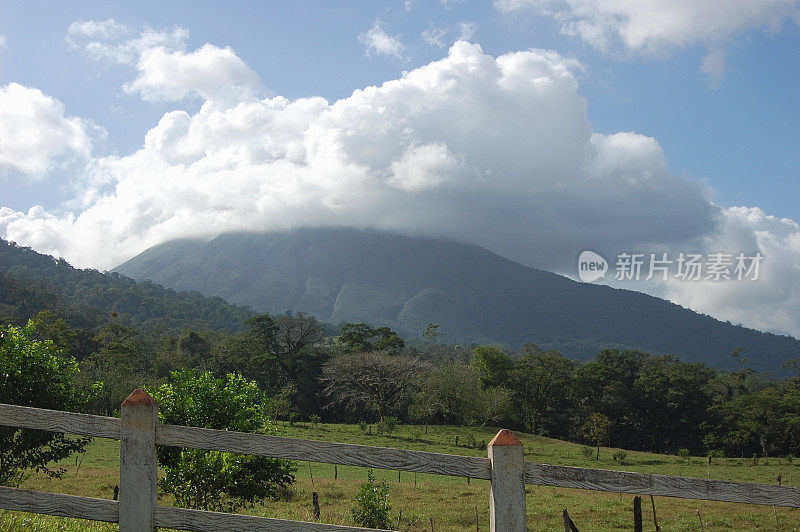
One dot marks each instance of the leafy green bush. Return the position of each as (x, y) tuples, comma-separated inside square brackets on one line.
[(587, 452), (619, 456), (314, 419), (372, 504), (714, 453), (34, 373), (390, 423), (683, 452), (363, 426), (214, 480)]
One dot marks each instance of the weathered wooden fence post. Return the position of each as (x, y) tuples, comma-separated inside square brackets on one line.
[(507, 494), (138, 465)]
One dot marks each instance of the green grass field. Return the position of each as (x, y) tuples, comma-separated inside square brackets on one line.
[(449, 503)]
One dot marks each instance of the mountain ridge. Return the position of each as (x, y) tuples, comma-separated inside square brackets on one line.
[(345, 274), (31, 282)]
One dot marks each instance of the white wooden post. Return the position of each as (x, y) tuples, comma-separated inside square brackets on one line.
[(507, 494), (138, 464)]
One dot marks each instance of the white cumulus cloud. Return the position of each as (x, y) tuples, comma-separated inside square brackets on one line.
[(714, 65), (497, 151), (493, 150), (208, 72), (92, 29), (650, 25), (441, 37), (434, 36), (115, 43), (165, 70), (377, 41), (466, 30), (424, 167), (769, 302), (35, 133)]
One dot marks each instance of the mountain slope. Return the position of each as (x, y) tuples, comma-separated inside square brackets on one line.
[(387, 279), (31, 282)]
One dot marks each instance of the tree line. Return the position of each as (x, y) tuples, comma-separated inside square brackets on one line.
[(620, 398)]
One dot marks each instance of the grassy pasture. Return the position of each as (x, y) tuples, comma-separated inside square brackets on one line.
[(449, 502)]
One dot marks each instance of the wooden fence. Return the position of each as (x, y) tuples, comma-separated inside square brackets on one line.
[(140, 432)]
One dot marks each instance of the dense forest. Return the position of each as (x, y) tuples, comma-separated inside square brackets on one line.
[(618, 398), (31, 282), (125, 334)]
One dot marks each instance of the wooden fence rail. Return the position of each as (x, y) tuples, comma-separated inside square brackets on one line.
[(139, 432), (164, 516), (661, 485), (322, 451)]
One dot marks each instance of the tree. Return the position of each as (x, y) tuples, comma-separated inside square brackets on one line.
[(34, 373), (194, 348), (432, 332), (452, 395), (355, 337), (792, 365), (120, 364), (79, 343), (122, 347), (672, 402), (301, 358), (361, 338), (606, 385), (492, 364), (757, 423), (388, 341), (743, 372), (276, 353), (373, 382), (214, 480), (790, 417), (596, 430), (542, 382), (298, 332), (254, 354)]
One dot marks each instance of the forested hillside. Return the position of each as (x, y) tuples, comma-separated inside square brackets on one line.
[(124, 335), (31, 282), (348, 275)]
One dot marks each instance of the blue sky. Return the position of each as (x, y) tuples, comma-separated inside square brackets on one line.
[(694, 103), (741, 136)]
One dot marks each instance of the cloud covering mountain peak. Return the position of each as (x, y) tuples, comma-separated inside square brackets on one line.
[(496, 151)]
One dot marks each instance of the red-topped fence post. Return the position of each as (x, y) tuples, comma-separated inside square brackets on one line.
[(507, 494)]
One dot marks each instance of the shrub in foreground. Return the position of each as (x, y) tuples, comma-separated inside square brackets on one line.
[(213, 480), (372, 504), (34, 373)]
